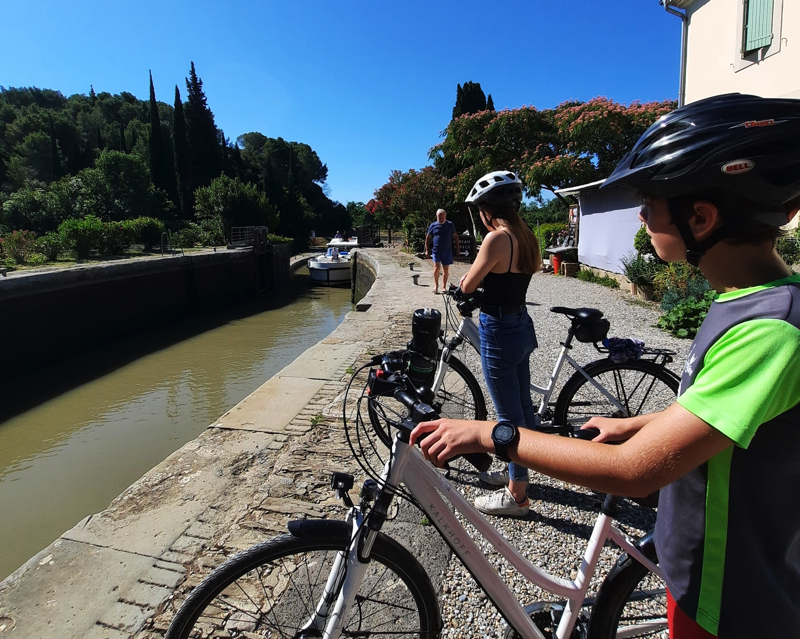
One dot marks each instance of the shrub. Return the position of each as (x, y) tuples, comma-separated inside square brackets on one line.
[(278, 239), (415, 227), (684, 319), (19, 245), (643, 245), (49, 246), (640, 269), (232, 202), (81, 236), (145, 231), (115, 238), (678, 282), (586, 275), (788, 249), (549, 234), (188, 236)]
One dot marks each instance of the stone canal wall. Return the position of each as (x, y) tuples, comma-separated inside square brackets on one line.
[(52, 313)]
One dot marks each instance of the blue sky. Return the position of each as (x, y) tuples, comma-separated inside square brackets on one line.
[(368, 85)]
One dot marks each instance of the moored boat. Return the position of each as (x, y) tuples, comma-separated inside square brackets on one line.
[(331, 268)]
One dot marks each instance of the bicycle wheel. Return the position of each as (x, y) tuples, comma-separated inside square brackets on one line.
[(640, 387), (459, 397), (631, 602), (274, 588)]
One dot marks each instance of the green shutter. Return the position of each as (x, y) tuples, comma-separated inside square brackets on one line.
[(758, 24)]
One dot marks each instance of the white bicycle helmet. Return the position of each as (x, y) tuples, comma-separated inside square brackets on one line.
[(498, 187)]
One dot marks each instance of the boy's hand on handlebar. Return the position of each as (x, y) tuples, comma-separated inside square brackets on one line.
[(447, 438)]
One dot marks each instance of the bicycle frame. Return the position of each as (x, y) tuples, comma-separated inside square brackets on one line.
[(429, 488), (468, 330)]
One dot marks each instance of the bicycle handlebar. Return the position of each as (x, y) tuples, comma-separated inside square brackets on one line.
[(419, 411)]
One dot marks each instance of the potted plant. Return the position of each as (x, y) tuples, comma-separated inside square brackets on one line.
[(640, 271)]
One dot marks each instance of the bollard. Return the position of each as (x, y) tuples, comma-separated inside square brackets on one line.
[(416, 279), (411, 265)]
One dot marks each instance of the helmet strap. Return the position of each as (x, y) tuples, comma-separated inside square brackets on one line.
[(694, 250)]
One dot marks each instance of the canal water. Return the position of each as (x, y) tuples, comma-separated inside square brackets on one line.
[(74, 436)]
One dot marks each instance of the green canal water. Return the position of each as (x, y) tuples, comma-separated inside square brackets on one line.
[(75, 435)]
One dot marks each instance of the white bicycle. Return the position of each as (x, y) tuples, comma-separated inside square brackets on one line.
[(602, 387), (327, 578)]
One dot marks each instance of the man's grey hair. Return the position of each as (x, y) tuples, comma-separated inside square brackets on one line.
[(441, 211)]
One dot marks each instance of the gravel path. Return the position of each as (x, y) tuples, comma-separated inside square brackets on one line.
[(555, 533)]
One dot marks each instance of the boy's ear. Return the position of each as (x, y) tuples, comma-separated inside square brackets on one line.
[(705, 220)]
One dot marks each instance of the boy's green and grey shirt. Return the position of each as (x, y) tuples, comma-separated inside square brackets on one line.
[(728, 533)]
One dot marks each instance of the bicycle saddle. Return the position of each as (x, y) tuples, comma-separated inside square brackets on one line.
[(586, 314)]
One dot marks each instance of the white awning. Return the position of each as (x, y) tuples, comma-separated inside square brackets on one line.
[(574, 190)]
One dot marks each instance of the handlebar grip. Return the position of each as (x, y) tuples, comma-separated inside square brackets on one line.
[(585, 433), (481, 461)]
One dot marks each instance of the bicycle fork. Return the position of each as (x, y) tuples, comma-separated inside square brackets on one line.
[(351, 564)]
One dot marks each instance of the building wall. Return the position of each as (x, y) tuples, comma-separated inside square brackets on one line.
[(714, 59), (608, 224)]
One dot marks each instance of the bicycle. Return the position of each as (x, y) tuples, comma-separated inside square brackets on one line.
[(602, 387), (328, 578)]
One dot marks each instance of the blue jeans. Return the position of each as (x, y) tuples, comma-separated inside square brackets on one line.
[(506, 346)]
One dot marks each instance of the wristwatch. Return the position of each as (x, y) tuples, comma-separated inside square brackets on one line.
[(504, 434)]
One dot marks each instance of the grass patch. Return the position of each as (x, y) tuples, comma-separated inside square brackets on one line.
[(585, 275), (317, 419)]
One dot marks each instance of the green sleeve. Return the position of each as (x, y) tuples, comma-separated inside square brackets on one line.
[(750, 375)]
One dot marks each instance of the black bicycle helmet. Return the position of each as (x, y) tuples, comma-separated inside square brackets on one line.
[(498, 187), (742, 145)]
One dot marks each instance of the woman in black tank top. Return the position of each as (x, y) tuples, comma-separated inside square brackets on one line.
[(508, 258)]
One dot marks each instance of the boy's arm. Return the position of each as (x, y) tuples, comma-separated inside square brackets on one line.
[(674, 442)]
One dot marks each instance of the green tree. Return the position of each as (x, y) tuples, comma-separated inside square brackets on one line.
[(229, 202), (201, 133), (183, 172)]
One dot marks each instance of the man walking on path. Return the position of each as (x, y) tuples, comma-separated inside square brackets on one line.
[(444, 234)]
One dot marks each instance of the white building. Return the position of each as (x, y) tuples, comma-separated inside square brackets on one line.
[(743, 46)]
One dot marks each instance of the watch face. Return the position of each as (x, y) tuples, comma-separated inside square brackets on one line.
[(504, 434)]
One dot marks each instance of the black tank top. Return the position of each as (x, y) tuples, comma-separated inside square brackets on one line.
[(506, 289)]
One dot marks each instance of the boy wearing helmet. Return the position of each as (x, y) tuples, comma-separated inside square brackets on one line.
[(717, 177)]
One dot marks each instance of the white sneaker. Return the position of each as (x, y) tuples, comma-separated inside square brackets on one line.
[(494, 477), (502, 502)]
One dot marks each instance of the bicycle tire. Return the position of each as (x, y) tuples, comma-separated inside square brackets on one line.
[(631, 601), (640, 386), (459, 397), (395, 599)]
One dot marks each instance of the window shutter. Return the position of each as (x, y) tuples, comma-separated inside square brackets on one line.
[(758, 24)]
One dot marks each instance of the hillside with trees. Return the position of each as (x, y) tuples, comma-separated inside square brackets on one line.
[(108, 164)]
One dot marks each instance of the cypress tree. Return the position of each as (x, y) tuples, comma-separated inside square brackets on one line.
[(469, 99), (457, 108), (201, 134), (489, 103), (182, 165), (160, 171), (99, 138), (92, 94)]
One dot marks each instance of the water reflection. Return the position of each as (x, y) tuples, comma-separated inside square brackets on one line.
[(105, 418)]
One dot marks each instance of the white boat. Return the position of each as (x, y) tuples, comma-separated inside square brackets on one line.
[(330, 268), (344, 244)]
